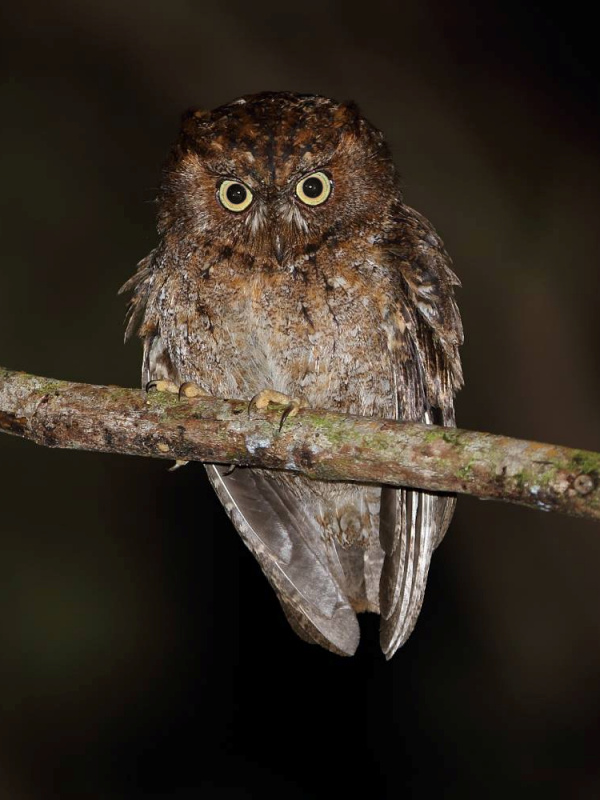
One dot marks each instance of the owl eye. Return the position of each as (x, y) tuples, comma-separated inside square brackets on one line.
[(314, 189), (234, 196)]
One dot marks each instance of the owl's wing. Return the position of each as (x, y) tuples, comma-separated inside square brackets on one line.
[(283, 535), (424, 342), (287, 542), (411, 525)]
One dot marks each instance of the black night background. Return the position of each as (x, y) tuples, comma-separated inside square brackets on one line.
[(142, 653)]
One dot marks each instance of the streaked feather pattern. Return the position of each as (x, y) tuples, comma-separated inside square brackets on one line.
[(287, 543), (349, 303)]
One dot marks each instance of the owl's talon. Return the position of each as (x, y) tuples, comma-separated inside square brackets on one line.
[(185, 390), (266, 397), (179, 463), (162, 386), (189, 389), (294, 406)]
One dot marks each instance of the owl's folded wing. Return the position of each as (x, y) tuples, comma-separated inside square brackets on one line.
[(411, 525), (283, 535), (287, 542), (427, 373)]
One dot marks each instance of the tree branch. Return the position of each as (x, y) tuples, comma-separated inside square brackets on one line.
[(316, 443)]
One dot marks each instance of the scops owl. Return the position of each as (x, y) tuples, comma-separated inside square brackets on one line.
[(288, 260)]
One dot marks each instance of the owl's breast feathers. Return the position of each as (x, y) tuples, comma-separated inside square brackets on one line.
[(366, 326)]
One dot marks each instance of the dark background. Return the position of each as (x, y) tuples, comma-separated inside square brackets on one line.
[(142, 654)]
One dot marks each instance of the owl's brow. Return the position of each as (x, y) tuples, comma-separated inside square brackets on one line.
[(256, 181), (246, 173), (271, 149)]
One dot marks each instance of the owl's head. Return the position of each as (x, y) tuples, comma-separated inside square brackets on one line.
[(274, 172)]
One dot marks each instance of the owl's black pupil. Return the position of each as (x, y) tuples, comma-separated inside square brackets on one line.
[(236, 194), (312, 187)]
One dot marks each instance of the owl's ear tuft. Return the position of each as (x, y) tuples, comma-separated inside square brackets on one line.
[(191, 118), (194, 113), (350, 122), (356, 131), (192, 123), (347, 115)]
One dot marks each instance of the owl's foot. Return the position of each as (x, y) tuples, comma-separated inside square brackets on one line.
[(178, 463), (162, 386), (267, 397), (187, 390)]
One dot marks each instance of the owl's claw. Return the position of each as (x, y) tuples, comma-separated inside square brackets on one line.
[(189, 389), (267, 397), (177, 464), (186, 390), (293, 407), (162, 386)]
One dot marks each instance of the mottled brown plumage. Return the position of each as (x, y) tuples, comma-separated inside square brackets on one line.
[(325, 286)]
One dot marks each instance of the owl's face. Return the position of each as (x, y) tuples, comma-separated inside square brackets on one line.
[(275, 174)]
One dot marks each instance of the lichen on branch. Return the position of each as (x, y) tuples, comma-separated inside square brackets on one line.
[(317, 443)]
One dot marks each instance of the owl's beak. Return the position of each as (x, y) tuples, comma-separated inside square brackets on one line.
[(278, 249)]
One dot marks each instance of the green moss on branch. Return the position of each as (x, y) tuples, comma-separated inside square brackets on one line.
[(316, 443)]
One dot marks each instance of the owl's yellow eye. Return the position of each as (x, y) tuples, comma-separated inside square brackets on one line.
[(234, 196), (314, 189)]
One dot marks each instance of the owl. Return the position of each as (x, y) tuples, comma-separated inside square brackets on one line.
[(288, 266)]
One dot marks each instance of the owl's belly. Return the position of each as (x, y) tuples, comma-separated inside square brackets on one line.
[(324, 344), (329, 346)]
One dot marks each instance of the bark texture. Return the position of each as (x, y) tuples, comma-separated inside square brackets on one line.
[(316, 443)]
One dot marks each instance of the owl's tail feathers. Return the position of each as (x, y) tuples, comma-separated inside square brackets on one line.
[(286, 540), (342, 641), (411, 525)]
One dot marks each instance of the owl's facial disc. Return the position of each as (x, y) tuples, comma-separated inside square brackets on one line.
[(234, 195), (314, 189)]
